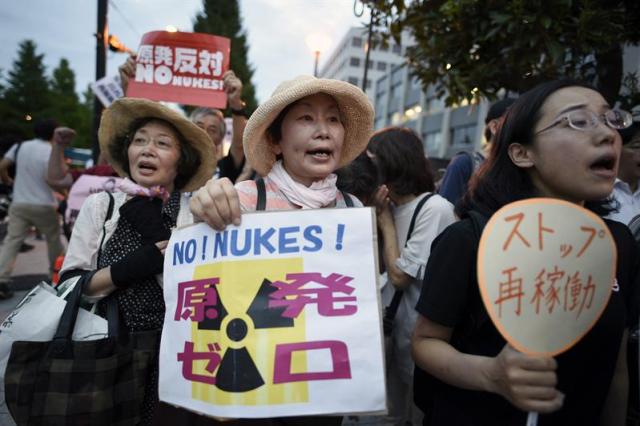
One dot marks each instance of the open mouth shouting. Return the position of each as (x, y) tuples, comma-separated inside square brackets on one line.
[(320, 154), (146, 168), (605, 166)]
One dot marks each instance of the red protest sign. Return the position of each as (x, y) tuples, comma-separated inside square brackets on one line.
[(546, 269), (181, 67)]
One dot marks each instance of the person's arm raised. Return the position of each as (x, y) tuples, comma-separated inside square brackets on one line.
[(233, 88), (58, 176)]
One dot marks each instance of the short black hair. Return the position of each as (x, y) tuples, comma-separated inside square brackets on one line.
[(499, 181), (359, 178), (401, 161), (189, 160), (496, 110), (44, 128)]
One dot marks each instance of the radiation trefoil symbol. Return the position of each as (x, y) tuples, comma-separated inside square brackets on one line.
[(237, 371)]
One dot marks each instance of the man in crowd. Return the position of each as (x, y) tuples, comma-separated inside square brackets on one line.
[(626, 190), (33, 200), (463, 165), (212, 121)]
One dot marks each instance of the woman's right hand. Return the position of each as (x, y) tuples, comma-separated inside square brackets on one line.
[(382, 203), (216, 203), (127, 71), (527, 382)]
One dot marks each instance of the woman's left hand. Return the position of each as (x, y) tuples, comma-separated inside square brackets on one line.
[(382, 203), (145, 215)]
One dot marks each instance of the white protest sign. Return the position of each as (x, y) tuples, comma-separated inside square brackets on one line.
[(546, 268), (108, 89), (277, 317)]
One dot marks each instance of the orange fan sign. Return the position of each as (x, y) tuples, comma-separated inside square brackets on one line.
[(546, 268)]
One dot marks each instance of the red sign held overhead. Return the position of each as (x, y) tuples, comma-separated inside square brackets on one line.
[(186, 68)]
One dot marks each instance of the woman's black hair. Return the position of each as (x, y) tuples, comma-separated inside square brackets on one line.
[(274, 131), (44, 128), (359, 178), (499, 181), (189, 160), (401, 161)]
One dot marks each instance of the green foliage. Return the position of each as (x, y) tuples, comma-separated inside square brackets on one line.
[(26, 93), (512, 44), (222, 18), (64, 100)]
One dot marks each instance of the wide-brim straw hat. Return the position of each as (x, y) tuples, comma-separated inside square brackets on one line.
[(355, 108), (116, 122)]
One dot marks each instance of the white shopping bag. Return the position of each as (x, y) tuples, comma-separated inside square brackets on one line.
[(36, 319)]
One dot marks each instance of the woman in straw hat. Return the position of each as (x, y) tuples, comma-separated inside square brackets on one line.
[(307, 129), (163, 154)]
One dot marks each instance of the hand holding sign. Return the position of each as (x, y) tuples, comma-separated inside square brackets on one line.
[(181, 67), (527, 382), (546, 268)]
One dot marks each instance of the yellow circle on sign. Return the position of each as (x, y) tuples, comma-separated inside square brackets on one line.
[(546, 268)]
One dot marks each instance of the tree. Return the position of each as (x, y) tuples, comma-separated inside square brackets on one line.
[(472, 48), (222, 17), (64, 104), (26, 96), (84, 125)]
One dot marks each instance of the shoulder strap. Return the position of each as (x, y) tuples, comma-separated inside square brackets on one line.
[(261, 203), (347, 199), (392, 309), (15, 157), (104, 225), (416, 211)]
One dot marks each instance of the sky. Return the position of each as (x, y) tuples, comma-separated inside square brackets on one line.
[(276, 32)]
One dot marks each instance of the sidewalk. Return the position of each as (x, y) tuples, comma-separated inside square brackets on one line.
[(30, 268)]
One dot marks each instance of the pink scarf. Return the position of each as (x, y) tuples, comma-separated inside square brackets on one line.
[(130, 187), (320, 194)]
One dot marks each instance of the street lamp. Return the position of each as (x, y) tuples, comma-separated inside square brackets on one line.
[(317, 43)]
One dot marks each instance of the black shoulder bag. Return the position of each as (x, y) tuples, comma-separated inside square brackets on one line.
[(391, 310)]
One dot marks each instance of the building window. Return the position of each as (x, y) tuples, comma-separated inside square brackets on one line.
[(397, 49), (384, 47), (432, 142), (353, 80), (356, 42), (354, 62), (371, 65), (382, 66), (463, 136), (434, 104), (368, 84)]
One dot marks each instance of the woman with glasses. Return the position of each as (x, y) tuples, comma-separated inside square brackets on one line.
[(558, 140)]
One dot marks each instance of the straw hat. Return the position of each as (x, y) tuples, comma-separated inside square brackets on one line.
[(116, 121), (355, 109)]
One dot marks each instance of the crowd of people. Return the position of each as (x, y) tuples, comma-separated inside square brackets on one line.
[(311, 145)]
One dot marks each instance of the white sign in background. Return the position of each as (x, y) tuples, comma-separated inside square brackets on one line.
[(327, 241)]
